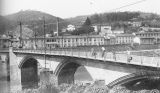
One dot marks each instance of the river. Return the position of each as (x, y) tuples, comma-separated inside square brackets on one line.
[(4, 83)]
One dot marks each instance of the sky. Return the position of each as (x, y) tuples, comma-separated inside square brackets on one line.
[(72, 8)]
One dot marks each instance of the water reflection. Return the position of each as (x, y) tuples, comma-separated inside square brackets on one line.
[(145, 83), (4, 83)]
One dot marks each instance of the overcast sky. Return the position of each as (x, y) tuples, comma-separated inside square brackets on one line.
[(71, 8)]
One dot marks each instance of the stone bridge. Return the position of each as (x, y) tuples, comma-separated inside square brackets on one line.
[(27, 66)]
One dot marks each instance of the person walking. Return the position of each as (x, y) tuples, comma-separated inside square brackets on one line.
[(93, 52), (129, 58), (103, 51)]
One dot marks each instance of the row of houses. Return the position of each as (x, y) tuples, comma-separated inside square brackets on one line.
[(149, 37), (90, 40), (84, 40)]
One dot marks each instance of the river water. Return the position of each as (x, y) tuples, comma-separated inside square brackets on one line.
[(4, 83)]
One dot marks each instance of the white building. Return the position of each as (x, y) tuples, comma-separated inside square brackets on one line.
[(120, 31), (71, 28), (152, 37), (105, 30), (124, 38)]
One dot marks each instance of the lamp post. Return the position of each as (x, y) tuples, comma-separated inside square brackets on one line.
[(44, 41), (35, 36), (20, 38), (158, 55), (136, 41)]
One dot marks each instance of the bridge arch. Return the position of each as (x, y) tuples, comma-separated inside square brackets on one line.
[(70, 70), (29, 71), (65, 71), (139, 76)]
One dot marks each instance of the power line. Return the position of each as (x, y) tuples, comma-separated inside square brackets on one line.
[(137, 2), (128, 5), (54, 23)]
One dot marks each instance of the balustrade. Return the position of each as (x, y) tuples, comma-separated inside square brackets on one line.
[(107, 56)]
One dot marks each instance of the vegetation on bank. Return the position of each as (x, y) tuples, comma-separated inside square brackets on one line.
[(80, 88)]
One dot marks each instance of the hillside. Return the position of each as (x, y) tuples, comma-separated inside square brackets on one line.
[(5, 25), (78, 20), (30, 15), (35, 19), (113, 17)]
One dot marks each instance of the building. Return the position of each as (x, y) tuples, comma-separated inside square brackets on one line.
[(105, 30), (150, 29), (152, 37), (4, 42), (71, 28), (67, 41), (136, 24), (118, 31), (124, 38), (75, 41), (96, 28)]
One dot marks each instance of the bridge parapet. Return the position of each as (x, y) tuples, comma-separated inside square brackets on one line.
[(4, 50), (120, 57)]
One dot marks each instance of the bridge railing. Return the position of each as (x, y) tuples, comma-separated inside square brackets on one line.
[(121, 57), (4, 50)]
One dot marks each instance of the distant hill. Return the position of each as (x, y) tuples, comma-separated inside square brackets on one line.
[(34, 20), (113, 17), (5, 25), (30, 15), (78, 20)]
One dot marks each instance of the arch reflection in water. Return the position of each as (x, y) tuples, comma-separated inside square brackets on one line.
[(144, 83)]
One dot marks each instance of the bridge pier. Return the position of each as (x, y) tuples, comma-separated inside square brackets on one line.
[(47, 77), (15, 72)]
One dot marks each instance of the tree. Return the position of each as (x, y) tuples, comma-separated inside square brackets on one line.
[(96, 18), (85, 29), (87, 22)]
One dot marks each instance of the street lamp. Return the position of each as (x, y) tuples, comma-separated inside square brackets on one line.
[(136, 41), (35, 36)]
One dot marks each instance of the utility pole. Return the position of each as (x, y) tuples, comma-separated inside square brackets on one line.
[(20, 38), (57, 26), (44, 41), (35, 34)]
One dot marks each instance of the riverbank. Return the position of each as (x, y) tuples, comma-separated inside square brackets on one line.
[(87, 88)]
